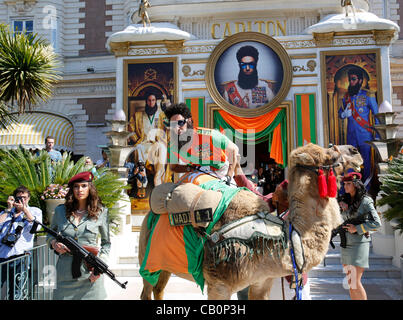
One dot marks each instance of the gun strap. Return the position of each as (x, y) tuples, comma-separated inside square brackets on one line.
[(75, 267)]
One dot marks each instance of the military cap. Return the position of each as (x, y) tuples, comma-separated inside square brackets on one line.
[(85, 176), (352, 176)]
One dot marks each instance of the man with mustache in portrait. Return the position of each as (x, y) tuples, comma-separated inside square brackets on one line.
[(358, 102), (248, 91)]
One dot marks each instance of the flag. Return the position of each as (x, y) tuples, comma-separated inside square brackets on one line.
[(306, 120), (196, 106)]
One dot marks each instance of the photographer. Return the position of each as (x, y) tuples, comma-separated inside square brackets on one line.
[(137, 178), (15, 238)]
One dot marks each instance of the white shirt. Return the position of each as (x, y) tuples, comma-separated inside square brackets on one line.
[(26, 240)]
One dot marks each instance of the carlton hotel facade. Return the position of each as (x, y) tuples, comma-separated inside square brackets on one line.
[(110, 61)]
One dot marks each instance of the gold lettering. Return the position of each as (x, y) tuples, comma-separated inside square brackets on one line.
[(237, 24), (227, 30), (271, 28), (259, 25), (213, 28), (282, 28), (273, 33)]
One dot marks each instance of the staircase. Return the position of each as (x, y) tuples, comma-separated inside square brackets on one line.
[(126, 267), (380, 267)]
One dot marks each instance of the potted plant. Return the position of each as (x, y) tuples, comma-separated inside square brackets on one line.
[(53, 195)]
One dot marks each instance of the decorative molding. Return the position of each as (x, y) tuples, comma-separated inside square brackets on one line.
[(187, 72), (21, 6), (383, 37), (323, 39)]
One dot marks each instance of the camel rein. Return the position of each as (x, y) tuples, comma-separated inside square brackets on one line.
[(317, 168)]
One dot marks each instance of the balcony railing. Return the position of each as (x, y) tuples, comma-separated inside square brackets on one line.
[(29, 277)]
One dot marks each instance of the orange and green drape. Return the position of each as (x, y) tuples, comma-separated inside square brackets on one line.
[(305, 118), (271, 127)]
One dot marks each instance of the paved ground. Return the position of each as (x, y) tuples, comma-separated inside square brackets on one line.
[(320, 289)]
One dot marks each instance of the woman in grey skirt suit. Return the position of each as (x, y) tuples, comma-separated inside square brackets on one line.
[(355, 256), (84, 219)]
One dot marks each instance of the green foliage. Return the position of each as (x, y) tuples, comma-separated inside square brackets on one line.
[(28, 69), (110, 190), (20, 167), (392, 191)]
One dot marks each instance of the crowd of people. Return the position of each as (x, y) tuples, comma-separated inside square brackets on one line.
[(84, 218)]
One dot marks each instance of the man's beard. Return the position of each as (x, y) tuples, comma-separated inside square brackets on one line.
[(247, 81), (353, 90), (151, 111), (184, 138)]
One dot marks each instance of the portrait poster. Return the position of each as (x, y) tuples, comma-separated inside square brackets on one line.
[(249, 74), (351, 91), (150, 86)]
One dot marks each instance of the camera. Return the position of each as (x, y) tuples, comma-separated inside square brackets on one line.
[(141, 166), (12, 237), (18, 199)]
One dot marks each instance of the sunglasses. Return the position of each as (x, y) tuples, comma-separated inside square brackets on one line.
[(252, 65), (179, 123)]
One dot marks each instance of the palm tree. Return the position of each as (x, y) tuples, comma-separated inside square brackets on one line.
[(28, 70), (20, 167)]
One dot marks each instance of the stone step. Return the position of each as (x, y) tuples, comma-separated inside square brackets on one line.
[(373, 272), (128, 260), (126, 269), (374, 259)]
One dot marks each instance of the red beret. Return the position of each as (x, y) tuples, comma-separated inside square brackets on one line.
[(85, 176), (352, 176), (284, 185)]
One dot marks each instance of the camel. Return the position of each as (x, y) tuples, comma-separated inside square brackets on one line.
[(312, 216)]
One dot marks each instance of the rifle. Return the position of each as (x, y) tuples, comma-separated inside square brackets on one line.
[(77, 250), (342, 232)]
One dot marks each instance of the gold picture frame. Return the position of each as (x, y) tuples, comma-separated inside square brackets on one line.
[(212, 107), (273, 67), (334, 66)]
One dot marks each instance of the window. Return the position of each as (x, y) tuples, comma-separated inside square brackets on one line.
[(20, 26)]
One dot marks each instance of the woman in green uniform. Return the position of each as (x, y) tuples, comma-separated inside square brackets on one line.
[(355, 256), (84, 219)]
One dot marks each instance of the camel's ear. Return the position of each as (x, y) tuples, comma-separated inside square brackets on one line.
[(336, 148), (304, 158)]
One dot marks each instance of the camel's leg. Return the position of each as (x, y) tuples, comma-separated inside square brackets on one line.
[(147, 290), (218, 291), (260, 291), (158, 290)]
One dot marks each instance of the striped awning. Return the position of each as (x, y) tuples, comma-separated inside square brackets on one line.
[(31, 130)]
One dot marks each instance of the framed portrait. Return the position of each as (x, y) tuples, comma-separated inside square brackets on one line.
[(335, 85), (351, 93), (149, 87), (249, 74)]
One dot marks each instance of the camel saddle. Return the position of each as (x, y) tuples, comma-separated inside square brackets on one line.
[(185, 203), (258, 233)]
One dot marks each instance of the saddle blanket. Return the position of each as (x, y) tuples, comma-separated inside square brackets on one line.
[(178, 249)]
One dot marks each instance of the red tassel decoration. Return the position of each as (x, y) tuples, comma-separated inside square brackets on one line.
[(331, 185), (322, 185)]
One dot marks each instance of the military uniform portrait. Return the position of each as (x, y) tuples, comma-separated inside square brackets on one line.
[(352, 98), (247, 74)]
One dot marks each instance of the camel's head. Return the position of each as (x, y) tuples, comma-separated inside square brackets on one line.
[(348, 157)]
